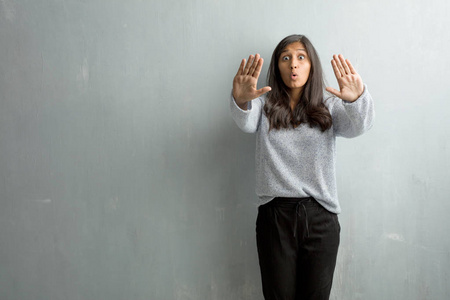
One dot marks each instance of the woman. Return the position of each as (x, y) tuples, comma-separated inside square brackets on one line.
[(297, 228)]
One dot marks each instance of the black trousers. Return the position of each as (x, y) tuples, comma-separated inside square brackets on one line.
[(297, 242)]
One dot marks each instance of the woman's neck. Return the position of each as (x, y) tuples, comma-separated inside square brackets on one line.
[(294, 95)]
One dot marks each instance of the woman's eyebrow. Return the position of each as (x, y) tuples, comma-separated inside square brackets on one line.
[(297, 50)]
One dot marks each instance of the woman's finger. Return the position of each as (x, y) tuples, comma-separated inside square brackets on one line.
[(352, 69), (254, 65), (263, 90), (258, 68), (344, 64), (334, 92), (248, 65), (339, 65), (337, 73), (241, 68)]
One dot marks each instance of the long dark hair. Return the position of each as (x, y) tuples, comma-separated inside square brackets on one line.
[(310, 109)]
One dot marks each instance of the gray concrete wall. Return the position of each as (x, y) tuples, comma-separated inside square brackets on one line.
[(123, 176)]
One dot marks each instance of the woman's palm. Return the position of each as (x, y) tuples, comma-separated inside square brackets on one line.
[(246, 80)]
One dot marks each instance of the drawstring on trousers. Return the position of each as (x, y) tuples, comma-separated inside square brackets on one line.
[(297, 213)]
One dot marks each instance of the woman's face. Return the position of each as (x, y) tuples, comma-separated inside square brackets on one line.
[(294, 65)]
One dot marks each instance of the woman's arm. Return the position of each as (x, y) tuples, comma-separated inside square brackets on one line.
[(247, 119), (351, 119), (354, 114)]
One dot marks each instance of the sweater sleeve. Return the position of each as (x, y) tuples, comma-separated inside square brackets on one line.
[(351, 119), (247, 120)]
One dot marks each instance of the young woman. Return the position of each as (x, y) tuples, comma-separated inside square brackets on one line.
[(297, 227)]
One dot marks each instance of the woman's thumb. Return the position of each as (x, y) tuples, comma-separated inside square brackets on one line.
[(263, 90)]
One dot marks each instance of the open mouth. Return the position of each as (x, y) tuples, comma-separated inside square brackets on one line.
[(294, 76)]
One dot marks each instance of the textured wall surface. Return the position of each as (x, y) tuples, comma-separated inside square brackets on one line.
[(123, 176)]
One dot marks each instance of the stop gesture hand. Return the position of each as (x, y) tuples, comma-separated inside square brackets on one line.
[(246, 80), (350, 83)]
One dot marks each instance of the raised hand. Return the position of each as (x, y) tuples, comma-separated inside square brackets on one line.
[(350, 83), (246, 80)]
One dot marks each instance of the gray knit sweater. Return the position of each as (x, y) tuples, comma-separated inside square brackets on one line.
[(300, 162)]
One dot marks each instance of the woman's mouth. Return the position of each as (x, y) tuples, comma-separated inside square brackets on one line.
[(294, 76)]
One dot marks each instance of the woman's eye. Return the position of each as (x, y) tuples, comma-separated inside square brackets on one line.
[(301, 57), (285, 58)]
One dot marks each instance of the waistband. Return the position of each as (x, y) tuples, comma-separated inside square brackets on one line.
[(292, 202), (295, 203)]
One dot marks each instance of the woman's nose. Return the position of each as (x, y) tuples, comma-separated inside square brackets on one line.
[(293, 64)]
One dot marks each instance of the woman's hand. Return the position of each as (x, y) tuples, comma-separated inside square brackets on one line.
[(246, 79), (350, 83)]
